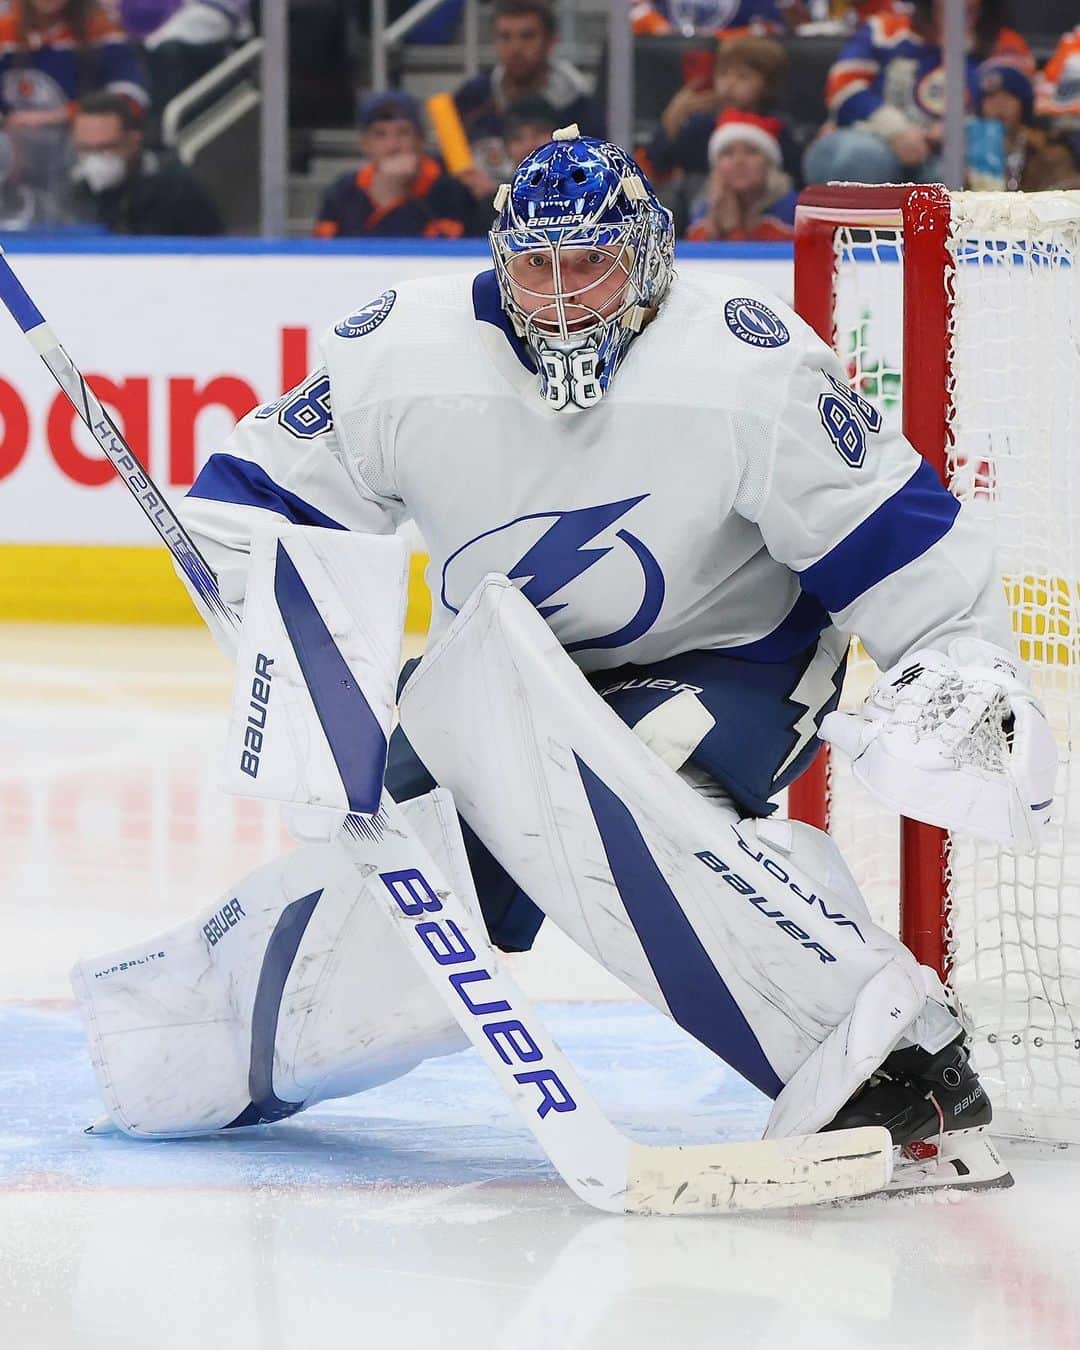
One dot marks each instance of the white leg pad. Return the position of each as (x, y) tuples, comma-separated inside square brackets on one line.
[(293, 989), (690, 907)]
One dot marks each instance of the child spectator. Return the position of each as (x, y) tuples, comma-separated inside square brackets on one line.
[(399, 191), (886, 94), (1035, 160), (748, 195), (126, 188), (524, 34), (748, 77)]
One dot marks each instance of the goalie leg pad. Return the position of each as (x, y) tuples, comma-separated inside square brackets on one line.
[(671, 893), (293, 989)]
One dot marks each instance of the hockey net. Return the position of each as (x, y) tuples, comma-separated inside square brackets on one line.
[(958, 314)]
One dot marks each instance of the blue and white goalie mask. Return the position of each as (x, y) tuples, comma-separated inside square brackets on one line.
[(583, 254)]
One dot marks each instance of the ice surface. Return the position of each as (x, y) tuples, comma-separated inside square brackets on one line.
[(420, 1214)]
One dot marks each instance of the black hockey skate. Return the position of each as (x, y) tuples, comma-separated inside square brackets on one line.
[(937, 1112)]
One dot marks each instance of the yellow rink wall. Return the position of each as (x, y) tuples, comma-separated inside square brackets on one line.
[(124, 585)]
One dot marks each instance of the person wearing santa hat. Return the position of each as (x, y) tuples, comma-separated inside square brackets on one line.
[(748, 195)]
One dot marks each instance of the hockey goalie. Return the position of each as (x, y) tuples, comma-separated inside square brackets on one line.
[(655, 513)]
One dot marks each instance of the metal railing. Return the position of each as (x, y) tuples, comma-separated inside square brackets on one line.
[(254, 77), (384, 36), (193, 102)]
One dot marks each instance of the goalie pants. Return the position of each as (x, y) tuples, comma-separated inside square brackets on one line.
[(764, 718)]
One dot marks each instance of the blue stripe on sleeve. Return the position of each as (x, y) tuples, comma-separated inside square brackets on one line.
[(239, 482), (803, 625), (902, 528)]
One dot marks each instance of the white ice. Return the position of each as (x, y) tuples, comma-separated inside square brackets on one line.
[(420, 1214)]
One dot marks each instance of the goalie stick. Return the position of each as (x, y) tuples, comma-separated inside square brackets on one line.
[(600, 1164)]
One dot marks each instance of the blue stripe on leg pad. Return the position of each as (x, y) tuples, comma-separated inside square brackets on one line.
[(266, 1106), (356, 739), (700, 1001)]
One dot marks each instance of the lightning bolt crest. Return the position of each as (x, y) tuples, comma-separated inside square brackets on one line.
[(560, 555)]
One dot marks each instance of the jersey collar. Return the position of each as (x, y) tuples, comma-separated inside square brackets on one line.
[(487, 308)]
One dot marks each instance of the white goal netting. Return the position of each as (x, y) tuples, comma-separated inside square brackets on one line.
[(1015, 458)]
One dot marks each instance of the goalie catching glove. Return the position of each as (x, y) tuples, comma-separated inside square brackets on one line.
[(957, 741)]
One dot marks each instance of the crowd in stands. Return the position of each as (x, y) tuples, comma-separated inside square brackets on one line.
[(724, 153), (83, 84)]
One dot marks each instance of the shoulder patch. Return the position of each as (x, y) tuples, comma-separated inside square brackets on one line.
[(366, 320), (754, 323)]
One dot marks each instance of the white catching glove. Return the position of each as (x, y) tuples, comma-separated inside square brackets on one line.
[(957, 741)]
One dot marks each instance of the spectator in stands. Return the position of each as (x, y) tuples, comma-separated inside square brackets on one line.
[(399, 190), (524, 34), (126, 188), (184, 39), (748, 77), (52, 53), (748, 195), (886, 93), (1059, 84), (1035, 160)]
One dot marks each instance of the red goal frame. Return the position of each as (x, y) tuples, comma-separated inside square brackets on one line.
[(922, 215)]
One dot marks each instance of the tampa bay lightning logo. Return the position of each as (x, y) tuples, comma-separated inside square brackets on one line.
[(545, 552), (754, 323), (366, 320)]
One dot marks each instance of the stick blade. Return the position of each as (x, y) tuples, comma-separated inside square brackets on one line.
[(767, 1174)]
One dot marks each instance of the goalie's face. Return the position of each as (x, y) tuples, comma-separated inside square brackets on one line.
[(565, 290)]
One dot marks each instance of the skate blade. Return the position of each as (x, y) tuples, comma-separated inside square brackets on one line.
[(966, 1161)]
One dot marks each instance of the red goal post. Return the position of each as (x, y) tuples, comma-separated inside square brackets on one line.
[(920, 215), (958, 315)]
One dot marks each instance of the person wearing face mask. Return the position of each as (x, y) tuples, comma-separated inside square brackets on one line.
[(126, 188)]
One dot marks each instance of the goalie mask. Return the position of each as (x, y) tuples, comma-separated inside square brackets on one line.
[(583, 253)]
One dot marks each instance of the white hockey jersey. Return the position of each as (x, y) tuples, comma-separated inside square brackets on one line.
[(727, 492)]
